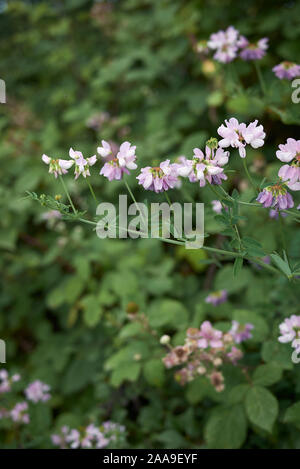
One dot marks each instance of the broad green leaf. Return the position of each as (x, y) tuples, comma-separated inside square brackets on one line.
[(154, 372), (226, 428), (261, 407), (266, 375)]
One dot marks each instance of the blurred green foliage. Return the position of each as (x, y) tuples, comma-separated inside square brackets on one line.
[(77, 72)]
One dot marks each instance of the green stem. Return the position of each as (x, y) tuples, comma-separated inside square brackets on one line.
[(130, 191), (249, 175), (281, 225), (168, 199), (205, 248), (92, 191), (67, 194), (260, 77), (134, 200)]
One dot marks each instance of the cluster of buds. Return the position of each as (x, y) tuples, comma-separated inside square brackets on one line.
[(205, 351)]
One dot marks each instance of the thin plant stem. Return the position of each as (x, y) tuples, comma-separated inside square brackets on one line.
[(249, 175), (260, 77), (281, 225), (168, 199), (205, 248), (67, 194), (134, 200), (92, 191)]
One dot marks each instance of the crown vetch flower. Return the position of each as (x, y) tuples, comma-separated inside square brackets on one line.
[(89, 437), (159, 178), (6, 380), (241, 332), (237, 135), (82, 164), (276, 197), (105, 149), (111, 170), (287, 70), (19, 414), (37, 391), (208, 167), (290, 153), (216, 298), (119, 164), (57, 166), (126, 156), (253, 51), (225, 44), (216, 206), (290, 331), (274, 213)]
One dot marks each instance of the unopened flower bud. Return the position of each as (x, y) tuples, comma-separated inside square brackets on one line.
[(165, 339), (217, 361), (201, 370), (132, 308), (212, 143), (208, 67), (57, 197)]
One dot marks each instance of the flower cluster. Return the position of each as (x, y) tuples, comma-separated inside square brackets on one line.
[(204, 352), (216, 298), (290, 331), (159, 178), (89, 437), (121, 163), (238, 135), (6, 381), (276, 196), (37, 391), (290, 153), (206, 167), (287, 70), (252, 51), (228, 44)]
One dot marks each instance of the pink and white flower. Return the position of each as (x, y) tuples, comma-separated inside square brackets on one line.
[(276, 197), (290, 331), (104, 150), (19, 413), (253, 51), (216, 298), (216, 206), (57, 167), (241, 332), (37, 391), (112, 170), (287, 70), (121, 163), (82, 165), (290, 153), (225, 44), (126, 156), (159, 178), (209, 337), (238, 135), (205, 168)]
